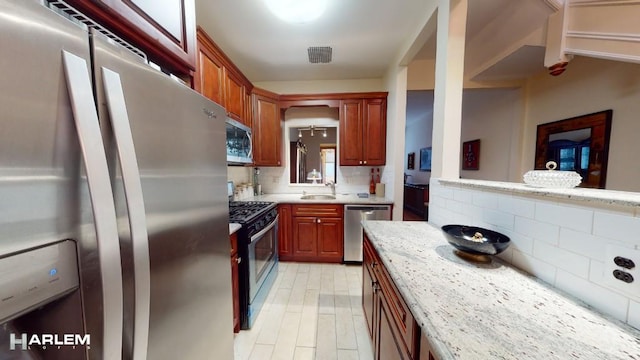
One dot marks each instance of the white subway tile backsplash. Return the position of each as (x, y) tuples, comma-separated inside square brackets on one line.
[(517, 206), (561, 243), (533, 266), (571, 262), (537, 230), (634, 314), (520, 242), (472, 212), (601, 298), (498, 218), (566, 216), (462, 196), (454, 206), (485, 200), (614, 226), (445, 192), (582, 243), (596, 273)]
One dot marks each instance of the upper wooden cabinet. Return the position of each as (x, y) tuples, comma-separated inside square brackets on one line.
[(165, 33), (218, 79), (234, 96), (209, 76), (267, 129), (363, 131)]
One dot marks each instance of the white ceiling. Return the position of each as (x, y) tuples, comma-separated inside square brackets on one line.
[(366, 36)]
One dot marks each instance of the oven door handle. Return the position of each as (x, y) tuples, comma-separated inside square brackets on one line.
[(265, 230)]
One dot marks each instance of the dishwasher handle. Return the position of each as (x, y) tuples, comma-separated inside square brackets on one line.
[(367, 208)]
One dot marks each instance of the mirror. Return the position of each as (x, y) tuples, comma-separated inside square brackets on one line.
[(312, 154), (578, 144)]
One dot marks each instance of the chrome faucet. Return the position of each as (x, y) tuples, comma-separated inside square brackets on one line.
[(333, 187)]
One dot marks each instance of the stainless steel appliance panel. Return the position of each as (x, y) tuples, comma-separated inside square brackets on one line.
[(44, 191), (263, 253), (179, 139), (353, 216), (46, 274)]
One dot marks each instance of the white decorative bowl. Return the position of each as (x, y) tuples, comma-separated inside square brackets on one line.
[(552, 178)]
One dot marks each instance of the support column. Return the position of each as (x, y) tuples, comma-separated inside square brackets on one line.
[(447, 108)]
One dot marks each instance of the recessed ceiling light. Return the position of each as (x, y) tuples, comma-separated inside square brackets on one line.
[(297, 11)]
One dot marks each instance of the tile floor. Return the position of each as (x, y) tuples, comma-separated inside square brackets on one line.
[(313, 311)]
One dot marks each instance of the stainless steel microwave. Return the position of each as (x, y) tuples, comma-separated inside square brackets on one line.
[(239, 147)]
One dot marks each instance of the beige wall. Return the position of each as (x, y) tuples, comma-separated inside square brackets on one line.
[(590, 85), (493, 116)]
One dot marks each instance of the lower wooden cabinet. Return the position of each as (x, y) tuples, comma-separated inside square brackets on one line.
[(311, 232), (284, 232), (235, 260), (394, 332)]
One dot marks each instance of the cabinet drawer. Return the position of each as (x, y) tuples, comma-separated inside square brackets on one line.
[(400, 311), (323, 210)]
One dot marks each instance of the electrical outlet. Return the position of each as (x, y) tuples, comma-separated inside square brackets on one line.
[(621, 269)]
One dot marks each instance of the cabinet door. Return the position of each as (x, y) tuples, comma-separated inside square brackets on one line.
[(166, 33), (267, 134), (284, 232), (389, 345), (235, 293), (305, 236), (351, 133), (234, 96), (368, 292), (209, 75), (330, 245), (375, 132)]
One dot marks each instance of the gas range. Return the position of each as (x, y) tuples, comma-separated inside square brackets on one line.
[(252, 215), (258, 248), (243, 212)]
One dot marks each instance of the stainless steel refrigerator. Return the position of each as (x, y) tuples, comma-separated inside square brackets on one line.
[(100, 149)]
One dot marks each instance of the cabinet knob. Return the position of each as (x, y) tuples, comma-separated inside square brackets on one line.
[(365, 162), (360, 162), (318, 221)]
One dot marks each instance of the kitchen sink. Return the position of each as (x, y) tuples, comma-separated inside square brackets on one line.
[(318, 197)]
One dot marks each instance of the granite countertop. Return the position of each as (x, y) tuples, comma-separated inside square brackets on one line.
[(233, 227), (491, 311), (340, 199)]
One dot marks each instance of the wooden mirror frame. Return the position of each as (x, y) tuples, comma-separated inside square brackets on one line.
[(600, 125)]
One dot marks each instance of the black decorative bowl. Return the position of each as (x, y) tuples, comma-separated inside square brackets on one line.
[(476, 240)]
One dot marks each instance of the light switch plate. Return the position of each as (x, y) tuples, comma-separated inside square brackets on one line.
[(610, 266)]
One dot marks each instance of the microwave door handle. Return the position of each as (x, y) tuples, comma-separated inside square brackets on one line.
[(250, 145), (135, 207), (104, 213)]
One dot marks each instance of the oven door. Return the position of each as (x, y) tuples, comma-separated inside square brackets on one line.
[(263, 254)]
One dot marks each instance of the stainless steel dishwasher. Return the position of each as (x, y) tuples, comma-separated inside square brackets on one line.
[(353, 216)]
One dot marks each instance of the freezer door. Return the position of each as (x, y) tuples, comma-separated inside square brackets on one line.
[(44, 188), (179, 140)]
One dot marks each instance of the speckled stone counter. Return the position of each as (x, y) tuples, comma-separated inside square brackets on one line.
[(609, 197), (491, 311), (340, 199), (233, 227)]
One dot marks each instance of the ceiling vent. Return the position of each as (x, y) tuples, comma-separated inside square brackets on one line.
[(319, 54)]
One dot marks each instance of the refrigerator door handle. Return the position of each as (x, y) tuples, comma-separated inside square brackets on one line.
[(104, 213), (135, 207)]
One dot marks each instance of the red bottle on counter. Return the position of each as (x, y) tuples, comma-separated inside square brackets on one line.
[(372, 184)]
